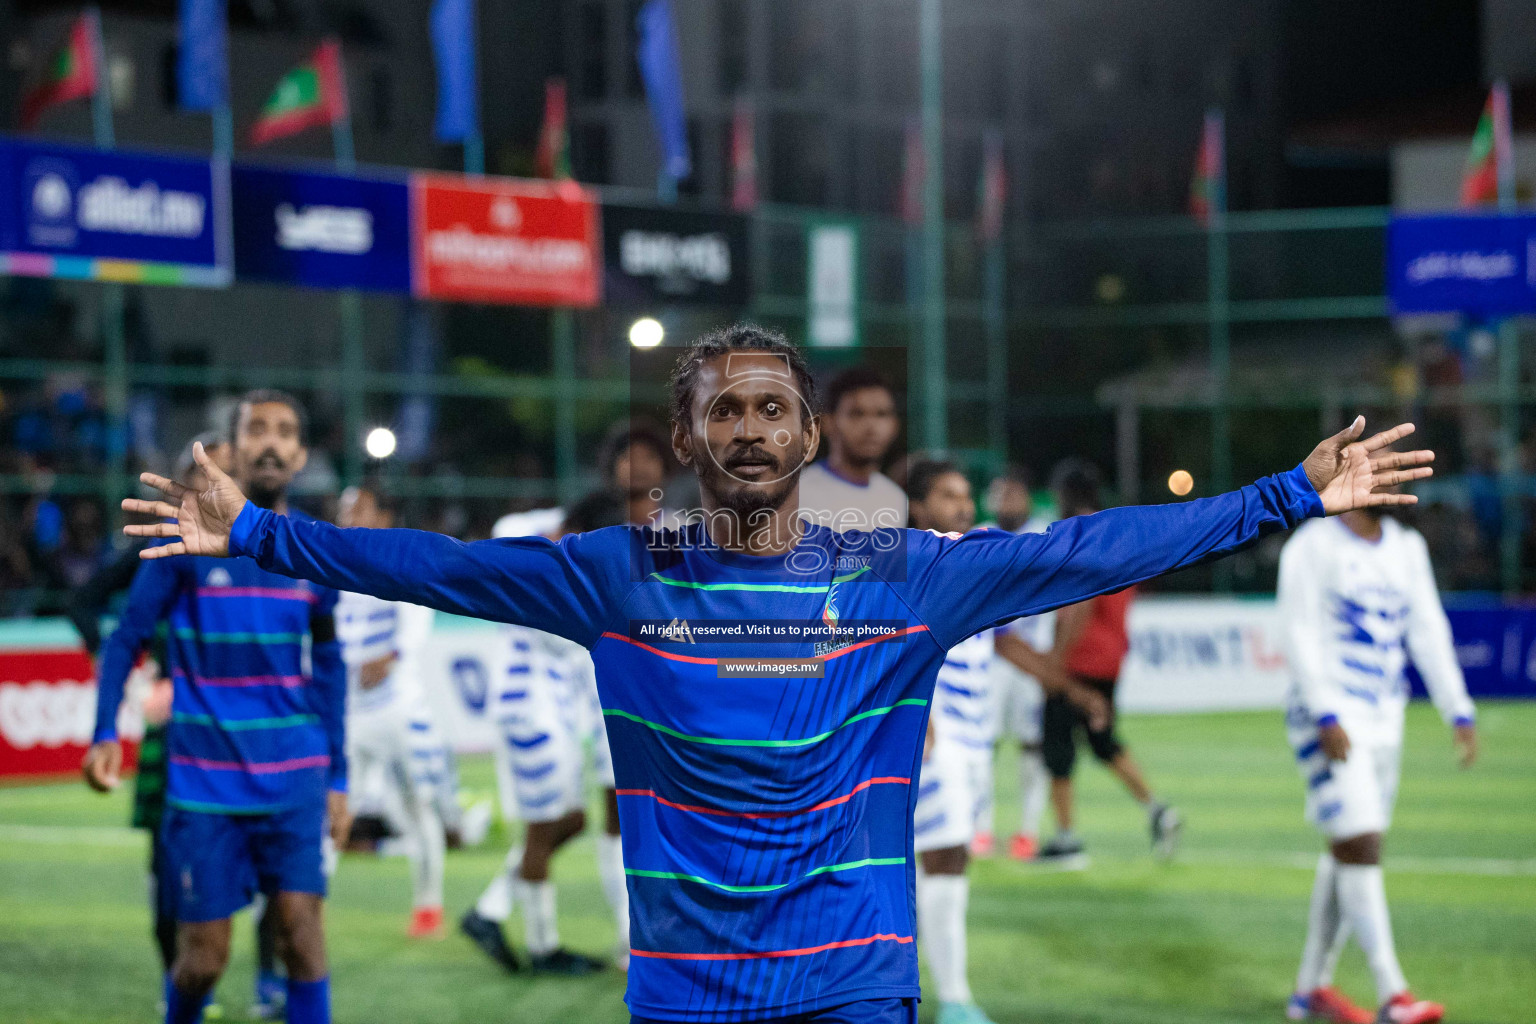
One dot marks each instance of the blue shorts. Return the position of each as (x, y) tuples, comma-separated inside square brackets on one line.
[(865, 1011), (219, 862)]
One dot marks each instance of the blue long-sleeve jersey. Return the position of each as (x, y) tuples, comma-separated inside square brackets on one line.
[(259, 703), (767, 822)]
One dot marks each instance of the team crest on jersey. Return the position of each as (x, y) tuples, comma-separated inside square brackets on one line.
[(218, 576), (829, 613)]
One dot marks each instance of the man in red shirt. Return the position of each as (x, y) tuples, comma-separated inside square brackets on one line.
[(1091, 643)]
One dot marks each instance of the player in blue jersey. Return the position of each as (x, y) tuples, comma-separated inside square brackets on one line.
[(256, 746), (766, 805)]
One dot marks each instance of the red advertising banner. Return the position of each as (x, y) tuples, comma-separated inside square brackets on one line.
[(47, 711), (528, 243)]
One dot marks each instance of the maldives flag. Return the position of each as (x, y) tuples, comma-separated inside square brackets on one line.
[(554, 155), (71, 76), (1207, 192), (311, 95), (992, 190), (1492, 150), (743, 157)]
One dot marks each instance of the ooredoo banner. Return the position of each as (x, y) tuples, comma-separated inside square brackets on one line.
[(529, 243), (47, 711)]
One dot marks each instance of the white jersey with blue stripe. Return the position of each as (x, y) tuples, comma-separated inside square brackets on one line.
[(964, 711), (1353, 612), (369, 629)]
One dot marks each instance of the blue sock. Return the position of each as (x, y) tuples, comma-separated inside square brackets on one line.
[(270, 987), (181, 1008), (309, 1002)]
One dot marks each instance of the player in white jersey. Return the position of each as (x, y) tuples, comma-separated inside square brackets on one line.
[(1020, 698), (545, 706), (846, 490), (955, 780), (396, 753), (1357, 597)]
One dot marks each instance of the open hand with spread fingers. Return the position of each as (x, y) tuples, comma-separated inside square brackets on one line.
[(203, 519), (1349, 473)]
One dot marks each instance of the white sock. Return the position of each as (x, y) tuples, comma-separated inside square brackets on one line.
[(1323, 920), (941, 902), (1035, 787), (495, 903), (428, 849), (610, 871), (1363, 896), (540, 929)]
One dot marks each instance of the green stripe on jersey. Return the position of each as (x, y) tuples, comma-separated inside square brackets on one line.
[(237, 810), (868, 862), (777, 588), (722, 742), (246, 724), (187, 633)]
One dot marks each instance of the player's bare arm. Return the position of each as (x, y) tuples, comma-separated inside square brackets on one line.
[(1053, 677)]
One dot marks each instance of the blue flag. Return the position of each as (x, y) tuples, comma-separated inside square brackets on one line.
[(202, 55), (453, 43), (662, 71)]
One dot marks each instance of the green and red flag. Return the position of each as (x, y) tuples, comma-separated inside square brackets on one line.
[(743, 157), (992, 189), (1208, 189), (71, 73), (1492, 150), (553, 158), (912, 174), (312, 95)]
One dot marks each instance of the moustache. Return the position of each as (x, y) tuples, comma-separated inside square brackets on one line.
[(754, 456), (268, 458)]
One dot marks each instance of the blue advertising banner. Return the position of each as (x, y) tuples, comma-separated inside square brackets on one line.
[(112, 216), (1496, 645), (321, 230), (1466, 263)]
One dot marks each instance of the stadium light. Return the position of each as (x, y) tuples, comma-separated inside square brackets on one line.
[(380, 443), (646, 332), (1180, 482)]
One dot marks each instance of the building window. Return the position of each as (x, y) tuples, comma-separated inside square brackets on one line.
[(591, 152), (735, 67), (800, 159), (592, 37)]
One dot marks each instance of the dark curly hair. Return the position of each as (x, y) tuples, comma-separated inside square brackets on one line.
[(743, 337)]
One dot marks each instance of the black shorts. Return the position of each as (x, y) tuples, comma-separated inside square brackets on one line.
[(1059, 725)]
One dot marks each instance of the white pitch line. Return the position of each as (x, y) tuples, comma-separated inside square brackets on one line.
[(1504, 867)]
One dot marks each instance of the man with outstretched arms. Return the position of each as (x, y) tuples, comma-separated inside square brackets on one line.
[(766, 813), (257, 748), (1357, 597)]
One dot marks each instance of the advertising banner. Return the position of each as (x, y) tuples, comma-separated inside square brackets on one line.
[(48, 710), (659, 255), (1468, 263), (459, 666), (105, 215), (833, 284), (321, 230), (530, 243), (1225, 654)]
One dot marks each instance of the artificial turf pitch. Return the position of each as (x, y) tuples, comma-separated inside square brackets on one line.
[(1212, 938)]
